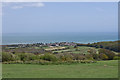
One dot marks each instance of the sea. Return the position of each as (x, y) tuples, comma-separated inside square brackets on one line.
[(78, 37)]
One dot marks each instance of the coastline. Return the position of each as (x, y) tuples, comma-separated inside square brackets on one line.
[(59, 42), (77, 37)]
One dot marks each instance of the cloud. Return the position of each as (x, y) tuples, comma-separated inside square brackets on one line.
[(21, 0), (100, 9), (16, 7), (19, 5)]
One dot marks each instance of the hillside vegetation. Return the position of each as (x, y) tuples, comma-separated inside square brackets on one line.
[(110, 45), (64, 54)]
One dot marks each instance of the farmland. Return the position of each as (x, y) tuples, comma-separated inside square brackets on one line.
[(101, 69), (59, 60), (78, 50)]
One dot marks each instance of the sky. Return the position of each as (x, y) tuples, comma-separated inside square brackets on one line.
[(60, 17)]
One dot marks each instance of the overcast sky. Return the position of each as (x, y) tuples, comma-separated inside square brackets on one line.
[(60, 17)]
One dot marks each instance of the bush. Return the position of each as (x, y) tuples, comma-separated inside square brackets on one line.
[(68, 57), (64, 57), (6, 57), (103, 56), (110, 45), (116, 58), (60, 57), (30, 56), (79, 57), (9, 57), (89, 57), (27, 56), (92, 51), (48, 57), (108, 53)]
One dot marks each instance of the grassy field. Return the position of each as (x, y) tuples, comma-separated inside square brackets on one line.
[(54, 48), (78, 50), (0, 71), (101, 69)]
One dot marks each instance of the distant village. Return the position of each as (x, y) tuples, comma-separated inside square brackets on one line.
[(56, 44)]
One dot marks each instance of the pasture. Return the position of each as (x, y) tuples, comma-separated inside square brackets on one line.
[(101, 69), (78, 50)]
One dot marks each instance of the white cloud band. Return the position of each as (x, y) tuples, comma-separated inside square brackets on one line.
[(39, 4), (18, 5)]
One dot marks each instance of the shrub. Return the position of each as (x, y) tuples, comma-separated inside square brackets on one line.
[(89, 57), (9, 57), (79, 57), (61, 57), (103, 56), (68, 57), (6, 57), (64, 57), (111, 45), (95, 56), (92, 51), (27, 56), (48, 57), (108, 53), (30, 56), (116, 58)]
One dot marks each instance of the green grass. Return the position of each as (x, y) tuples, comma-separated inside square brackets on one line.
[(0, 71), (80, 50), (101, 69)]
